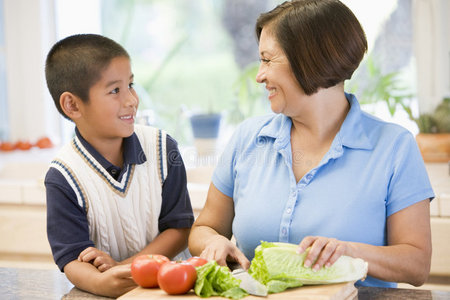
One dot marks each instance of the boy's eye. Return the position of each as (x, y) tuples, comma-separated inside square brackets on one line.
[(115, 91), (131, 85)]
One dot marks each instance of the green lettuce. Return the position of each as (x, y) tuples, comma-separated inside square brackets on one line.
[(279, 266), (215, 280)]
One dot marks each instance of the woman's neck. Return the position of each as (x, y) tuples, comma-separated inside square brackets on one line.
[(322, 115)]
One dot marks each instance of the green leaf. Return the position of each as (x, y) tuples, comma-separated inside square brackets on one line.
[(215, 280)]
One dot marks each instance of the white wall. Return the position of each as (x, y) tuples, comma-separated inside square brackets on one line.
[(432, 50), (29, 34)]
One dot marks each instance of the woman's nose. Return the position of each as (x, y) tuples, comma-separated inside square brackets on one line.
[(261, 75)]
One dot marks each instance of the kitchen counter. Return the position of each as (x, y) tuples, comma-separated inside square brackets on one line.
[(16, 283)]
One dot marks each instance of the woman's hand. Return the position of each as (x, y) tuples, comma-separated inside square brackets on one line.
[(101, 260), (211, 233), (221, 249), (323, 252)]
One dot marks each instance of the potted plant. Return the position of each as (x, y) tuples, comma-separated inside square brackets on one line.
[(434, 133), (205, 128), (434, 129)]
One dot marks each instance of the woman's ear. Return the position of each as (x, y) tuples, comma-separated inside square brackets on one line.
[(70, 105)]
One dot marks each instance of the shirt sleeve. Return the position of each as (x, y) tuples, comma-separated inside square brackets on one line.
[(224, 173), (409, 182), (176, 209), (67, 225)]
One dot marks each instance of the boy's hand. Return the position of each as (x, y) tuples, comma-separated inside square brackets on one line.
[(116, 281), (101, 260)]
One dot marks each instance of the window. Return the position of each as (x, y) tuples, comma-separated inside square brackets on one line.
[(388, 27), (188, 56)]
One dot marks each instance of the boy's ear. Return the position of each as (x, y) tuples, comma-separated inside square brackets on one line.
[(70, 105)]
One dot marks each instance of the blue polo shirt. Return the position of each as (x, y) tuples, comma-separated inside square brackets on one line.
[(372, 170), (67, 224)]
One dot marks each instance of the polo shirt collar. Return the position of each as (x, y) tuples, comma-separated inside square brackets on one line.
[(279, 128), (132, 151), (353, 133)]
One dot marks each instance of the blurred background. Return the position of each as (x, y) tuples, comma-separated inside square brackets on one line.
[(201, 56)]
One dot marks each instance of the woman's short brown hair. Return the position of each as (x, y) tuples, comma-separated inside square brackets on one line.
[(322, 39)]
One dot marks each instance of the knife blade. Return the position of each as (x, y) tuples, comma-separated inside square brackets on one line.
[(249, 284)]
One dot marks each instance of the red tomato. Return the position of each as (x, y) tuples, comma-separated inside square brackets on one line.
[(44, 143), (196, 261), (177, 278), (144, 269), (23, 145), (6, 146)]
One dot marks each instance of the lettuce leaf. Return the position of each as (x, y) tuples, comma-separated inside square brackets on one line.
[(215, 280), (279, 266)]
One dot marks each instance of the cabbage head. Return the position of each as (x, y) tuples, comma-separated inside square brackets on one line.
[(279, 266)]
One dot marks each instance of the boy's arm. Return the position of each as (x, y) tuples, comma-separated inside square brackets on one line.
[(67, 224), (170, 242), (112, 283)]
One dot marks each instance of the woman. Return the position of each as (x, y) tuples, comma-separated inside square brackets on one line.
[(320, 173)]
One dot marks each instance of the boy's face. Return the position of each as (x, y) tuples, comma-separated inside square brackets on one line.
[(111, 109)]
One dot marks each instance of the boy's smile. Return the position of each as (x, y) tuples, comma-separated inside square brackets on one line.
[(110, 112)]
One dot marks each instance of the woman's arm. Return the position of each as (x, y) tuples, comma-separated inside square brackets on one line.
[(211, 233), (407, 258), (114, 282)]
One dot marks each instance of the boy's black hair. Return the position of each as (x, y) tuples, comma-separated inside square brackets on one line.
[(74, 64)]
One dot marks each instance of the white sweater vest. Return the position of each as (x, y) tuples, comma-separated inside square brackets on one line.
[(122, 216)]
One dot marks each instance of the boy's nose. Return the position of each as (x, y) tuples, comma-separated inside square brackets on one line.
[(132, 99)]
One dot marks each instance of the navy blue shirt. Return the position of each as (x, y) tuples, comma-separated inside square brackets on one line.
[(67, 224)]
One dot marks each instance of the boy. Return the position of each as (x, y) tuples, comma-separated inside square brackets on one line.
[(117, 190)]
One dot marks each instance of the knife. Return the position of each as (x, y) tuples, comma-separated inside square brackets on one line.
[(249, 284)]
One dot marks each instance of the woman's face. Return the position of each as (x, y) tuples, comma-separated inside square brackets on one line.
[(275, 71)]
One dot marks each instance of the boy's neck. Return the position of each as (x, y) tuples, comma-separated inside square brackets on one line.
[(113, 152), (110, 149)]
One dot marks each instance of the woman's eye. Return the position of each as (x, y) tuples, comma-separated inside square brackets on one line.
[(264, 60)]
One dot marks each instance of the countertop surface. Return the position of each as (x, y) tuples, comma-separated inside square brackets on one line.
[(18, 283)]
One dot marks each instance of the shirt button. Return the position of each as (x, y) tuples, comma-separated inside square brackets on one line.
[(289, 210), (114, 171), (309, 176)]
